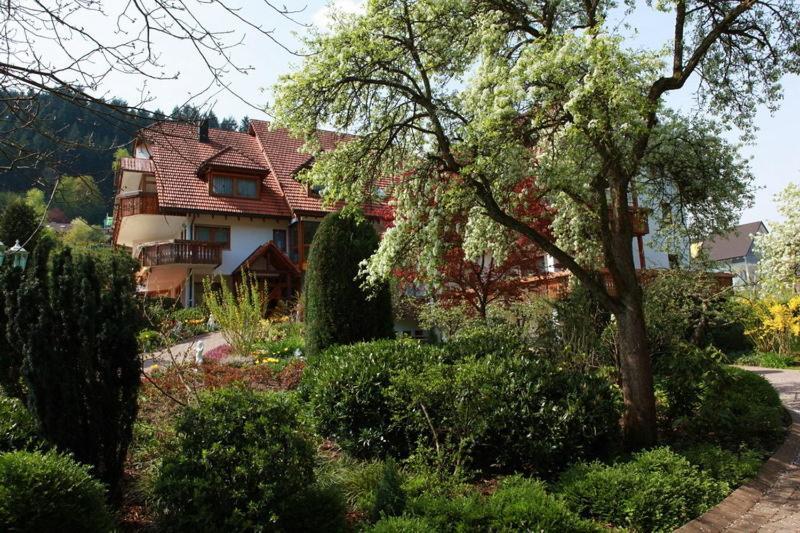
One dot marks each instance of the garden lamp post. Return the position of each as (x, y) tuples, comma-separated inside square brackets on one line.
[(16, 254)]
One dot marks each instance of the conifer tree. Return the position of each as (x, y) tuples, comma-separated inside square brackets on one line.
[(337, 309), (18, 222), (81, 366)]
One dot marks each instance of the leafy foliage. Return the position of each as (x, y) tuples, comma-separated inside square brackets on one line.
[(779, 264), (776, 326), (657, 490), (19, 223), (50, 492), (733, 468), (76, 324), (18, 429), (518, 505), (337, 309), (238, 312), (242, 460)]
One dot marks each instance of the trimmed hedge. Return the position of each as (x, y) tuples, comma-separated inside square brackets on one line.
[(242, 460), (337, 309), (50, 492)]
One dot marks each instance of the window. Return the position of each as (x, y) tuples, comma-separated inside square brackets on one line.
[(279, 238), (149, 184), (217, 234), (231, 186)]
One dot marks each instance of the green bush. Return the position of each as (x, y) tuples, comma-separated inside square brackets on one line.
[(657, 490), (337, 309), (314, 509), (684, 375), (347, 391), (480, 340), (734, 468), (149, 340), (241, 460), (402, 524), (18, 429), (740, 409), (50, 492), (189, 313), (767, 360), (390, 500), (506, 413), (356, 481), (517, 505)]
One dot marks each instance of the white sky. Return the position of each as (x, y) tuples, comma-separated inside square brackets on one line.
[(775, 156)]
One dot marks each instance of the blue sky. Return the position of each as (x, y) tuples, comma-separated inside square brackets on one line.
[(775, 156)]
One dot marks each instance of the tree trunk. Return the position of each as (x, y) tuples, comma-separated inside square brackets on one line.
[(639, 418)]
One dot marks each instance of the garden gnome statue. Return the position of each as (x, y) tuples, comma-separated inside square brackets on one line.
[(198, 352)]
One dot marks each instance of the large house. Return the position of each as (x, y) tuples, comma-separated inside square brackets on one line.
[(197, 201), (735, 252)]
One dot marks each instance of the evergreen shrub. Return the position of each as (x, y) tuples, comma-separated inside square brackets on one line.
[(50, 492), (338, 310), (658, 490), (242, 460), (18, 428)]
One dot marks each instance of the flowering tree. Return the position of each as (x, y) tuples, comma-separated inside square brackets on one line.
[(779, 266), (471, 97)]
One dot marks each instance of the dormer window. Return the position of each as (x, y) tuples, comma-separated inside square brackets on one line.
[(316, 191), (234, 186)]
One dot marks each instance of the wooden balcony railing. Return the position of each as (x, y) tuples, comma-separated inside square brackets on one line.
[(139, 203), (181, 252)]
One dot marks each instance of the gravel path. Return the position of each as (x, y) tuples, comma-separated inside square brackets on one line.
[(183, 351)]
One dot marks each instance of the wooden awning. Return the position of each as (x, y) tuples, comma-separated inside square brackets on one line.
[(267, 260)]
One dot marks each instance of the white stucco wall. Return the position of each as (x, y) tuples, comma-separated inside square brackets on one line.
[(246, 236)]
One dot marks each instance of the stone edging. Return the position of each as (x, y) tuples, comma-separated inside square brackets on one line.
[(745, 497)]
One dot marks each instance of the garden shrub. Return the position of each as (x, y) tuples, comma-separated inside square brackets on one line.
[(506, 413), (402, 524), (347, 391), (50, 492), (767, 360), (740, 409), (338, 310), (241, 460), (657, 490), (390, 500), (11, 357), (483, 339), (76, 321), (18, 428), (776, 326), (237, 312), (518, 504), (314, 509), (734, 468), (685, 374), (356, 481), (149, 340)]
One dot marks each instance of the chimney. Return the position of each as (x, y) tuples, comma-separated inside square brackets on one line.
[(204, 131)]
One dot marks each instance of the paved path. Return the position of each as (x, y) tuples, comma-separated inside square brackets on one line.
[(183, 351), (771, 502)]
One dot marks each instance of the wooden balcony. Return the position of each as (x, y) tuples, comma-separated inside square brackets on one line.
[(138, 203), (181, 252)]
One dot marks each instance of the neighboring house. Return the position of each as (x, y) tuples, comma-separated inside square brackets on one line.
[(195, 202), (734, 252)]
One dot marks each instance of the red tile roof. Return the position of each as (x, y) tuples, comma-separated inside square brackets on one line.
[(178, 155)]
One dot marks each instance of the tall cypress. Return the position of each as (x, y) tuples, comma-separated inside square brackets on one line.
[(10, 354), (337, 309), (81, 362)]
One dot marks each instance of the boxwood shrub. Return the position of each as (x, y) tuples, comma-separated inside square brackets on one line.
[(50, 492), (657, 490), (242, 460), (18, 428)]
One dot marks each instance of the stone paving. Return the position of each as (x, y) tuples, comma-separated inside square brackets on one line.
[(771, 502), (183, 351)]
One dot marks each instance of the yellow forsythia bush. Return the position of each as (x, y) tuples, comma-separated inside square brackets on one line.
[(776, 327)]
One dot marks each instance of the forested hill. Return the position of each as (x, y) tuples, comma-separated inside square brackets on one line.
[(74, 140)]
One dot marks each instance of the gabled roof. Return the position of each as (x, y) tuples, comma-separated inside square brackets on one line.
[(178, 154), (735, 244), (271, 250)]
